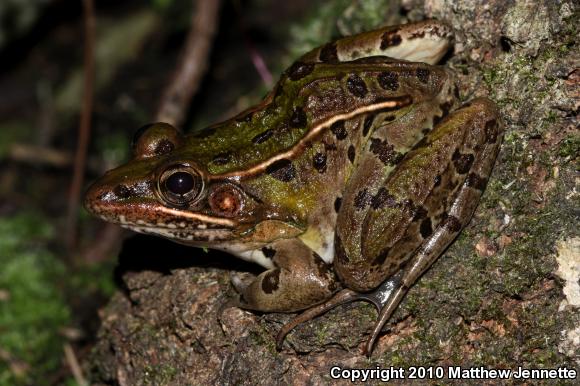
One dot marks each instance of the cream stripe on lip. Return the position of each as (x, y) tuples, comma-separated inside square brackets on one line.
[(176, 213), (197, 216), (401, 101)]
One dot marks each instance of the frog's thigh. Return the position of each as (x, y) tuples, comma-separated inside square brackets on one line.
[(457, 158), (301, 279)]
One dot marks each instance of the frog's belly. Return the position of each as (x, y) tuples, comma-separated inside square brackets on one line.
[(320, 241)]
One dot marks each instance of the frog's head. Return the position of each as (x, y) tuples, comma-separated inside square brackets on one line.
[(164, 190)]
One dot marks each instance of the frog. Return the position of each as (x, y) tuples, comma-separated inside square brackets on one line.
[(345, 183)]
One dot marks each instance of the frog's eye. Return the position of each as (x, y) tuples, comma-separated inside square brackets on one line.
[(180, 185), (155, 139)]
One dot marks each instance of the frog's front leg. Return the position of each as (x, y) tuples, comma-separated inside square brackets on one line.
[(398, 231), (299, 279)]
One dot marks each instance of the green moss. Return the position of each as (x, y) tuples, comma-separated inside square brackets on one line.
[(161, 374), (33, 310), (570, 146)]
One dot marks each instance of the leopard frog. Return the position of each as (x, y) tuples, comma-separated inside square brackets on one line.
[(345, 183)]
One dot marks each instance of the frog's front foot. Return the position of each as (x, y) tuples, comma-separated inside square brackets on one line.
[(386, 298), (299, 278)]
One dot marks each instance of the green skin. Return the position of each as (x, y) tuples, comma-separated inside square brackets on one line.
[(352, 173)]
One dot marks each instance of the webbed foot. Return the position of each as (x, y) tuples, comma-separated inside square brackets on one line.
[(385, 298)]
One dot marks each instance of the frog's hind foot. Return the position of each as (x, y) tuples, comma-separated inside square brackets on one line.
[(385, 298)]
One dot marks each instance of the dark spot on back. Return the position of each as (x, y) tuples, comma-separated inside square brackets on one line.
[(282, 170), (351, 153), (385, 152), (330, 146), (271, 281), (362, 199), (451, 223), (328, 53), (417, 34), (337, 204), (491, 131), (423, 75), (262, 137), (476, 182), (445, 107), (462, 162), (164, 146), (368, 123), (381, 257), (269, 252), (420, 213), (426, 228), (298, 118), (356, 86), (299, 70), (339, 130), (222, 158), (383, 199), (122, 191), (437, 181), (388, 80), (319, 162), (390, 39)]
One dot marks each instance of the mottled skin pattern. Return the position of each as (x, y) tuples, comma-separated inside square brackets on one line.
[(351, 173)]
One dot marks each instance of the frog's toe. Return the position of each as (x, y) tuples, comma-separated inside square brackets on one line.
[(385, 298), (241, 281)]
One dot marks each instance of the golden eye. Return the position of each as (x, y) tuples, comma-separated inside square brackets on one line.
[(180, 185)]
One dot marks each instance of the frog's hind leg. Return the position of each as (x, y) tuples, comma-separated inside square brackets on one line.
[(299, 279), (423, 232), (424, 41)]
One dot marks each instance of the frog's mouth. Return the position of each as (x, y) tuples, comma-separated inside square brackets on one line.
[(175, 224)]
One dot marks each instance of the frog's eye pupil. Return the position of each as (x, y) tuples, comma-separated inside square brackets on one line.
[(180, 183)]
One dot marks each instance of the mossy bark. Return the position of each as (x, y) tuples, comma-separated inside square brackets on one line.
[(494, 299)]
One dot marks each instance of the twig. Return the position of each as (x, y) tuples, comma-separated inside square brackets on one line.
[(84, 127), (255, 56), (73, 364), (176, 97), (46, 156), (192, 64)]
